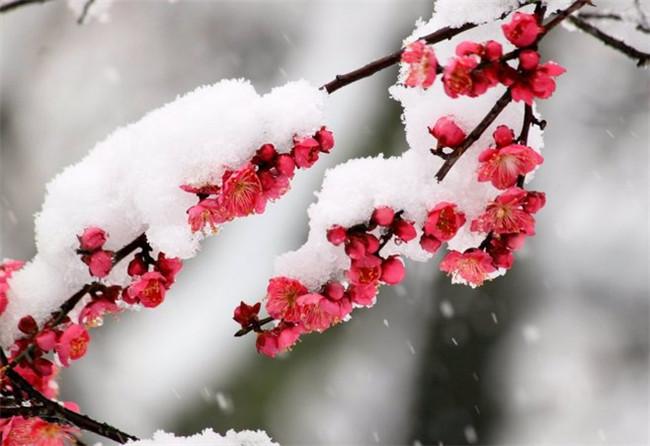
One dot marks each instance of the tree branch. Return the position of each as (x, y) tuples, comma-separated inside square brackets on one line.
[(641, 57), (9, 6)]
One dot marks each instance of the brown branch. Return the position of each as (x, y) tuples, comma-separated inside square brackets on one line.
[(341, 80), (9, 6), (641, 57)]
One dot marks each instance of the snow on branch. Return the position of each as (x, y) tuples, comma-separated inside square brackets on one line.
[(208, 438), (115, 228)]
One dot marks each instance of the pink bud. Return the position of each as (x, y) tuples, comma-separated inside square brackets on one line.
[(267, 344), (267, 153), (447, 132), (430, 244), (392, 270), (503, 136), (92, 239), (534, 201), (383, 216), (529, 59), (43, 367), (325, 138), (100, 263), (334, 291), (404, 230), (305, 152), (493, 50), (468, 48), (137, 267), (46, 340), (285, 165), (337, 235), (27, 325)]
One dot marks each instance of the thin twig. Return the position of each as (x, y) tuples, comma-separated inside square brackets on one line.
[(641, 57), (611, 16), (84, 11), (494, 112), (6, 7)]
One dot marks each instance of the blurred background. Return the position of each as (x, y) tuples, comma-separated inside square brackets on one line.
[(555, 352)]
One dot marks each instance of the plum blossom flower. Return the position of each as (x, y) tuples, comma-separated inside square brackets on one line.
[(208, 211), (241, 192), (72, 343), (475, 69), (506, 215), (523, 30), (503, 166), (533, 80), (365, 271), (93, 313), (473, 266), (149, 290), (443, 221), (422, 64), (282, 296), (316, 312), (278, 340)]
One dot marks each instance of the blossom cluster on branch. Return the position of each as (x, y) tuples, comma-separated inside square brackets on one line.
[(460, 186)]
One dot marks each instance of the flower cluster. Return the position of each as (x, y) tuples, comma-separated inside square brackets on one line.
[(478, 67), (299, 310), (7, 268), (68, 339), (265, 178)]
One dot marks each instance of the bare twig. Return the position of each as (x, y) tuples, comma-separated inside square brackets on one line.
[(84, 11), (641, 57), (9, 6), (611, 16)]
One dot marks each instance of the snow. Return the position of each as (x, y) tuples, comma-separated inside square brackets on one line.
[(456, 13), (208, 438), (352, 190), (129, 183)]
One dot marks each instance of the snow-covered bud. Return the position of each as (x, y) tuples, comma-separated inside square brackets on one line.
[(92, 239)]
